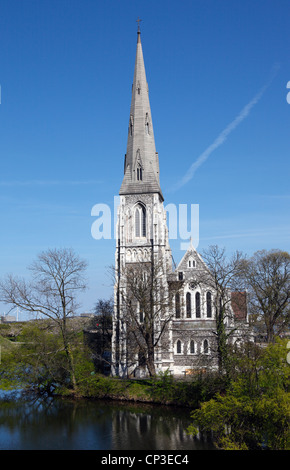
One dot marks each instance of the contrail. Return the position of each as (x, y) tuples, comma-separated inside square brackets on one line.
[(226, 132)]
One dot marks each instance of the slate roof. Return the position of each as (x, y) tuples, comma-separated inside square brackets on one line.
[(141, 151)]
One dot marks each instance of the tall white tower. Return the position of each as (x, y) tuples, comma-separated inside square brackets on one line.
[(141, 232)]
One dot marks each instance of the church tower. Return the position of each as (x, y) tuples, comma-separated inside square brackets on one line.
[(141, 231), (163, 320)]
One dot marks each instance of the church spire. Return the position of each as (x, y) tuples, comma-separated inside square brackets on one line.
[(141, 169)]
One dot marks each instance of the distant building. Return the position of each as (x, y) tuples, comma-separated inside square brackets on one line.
[(7, 319)]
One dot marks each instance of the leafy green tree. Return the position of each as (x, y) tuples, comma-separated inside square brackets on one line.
[(254, 413), (37, 360)]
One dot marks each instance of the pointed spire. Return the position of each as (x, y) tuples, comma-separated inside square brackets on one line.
[(141, 171)]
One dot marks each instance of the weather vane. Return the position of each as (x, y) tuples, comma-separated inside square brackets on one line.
[(138, 21)]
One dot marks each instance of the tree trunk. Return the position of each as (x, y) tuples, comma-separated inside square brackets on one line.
[(69, 358), (150, 364), (221, 340)]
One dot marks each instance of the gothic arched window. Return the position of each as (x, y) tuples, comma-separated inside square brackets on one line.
[(139, 173), (177, 305), (178, 346), (197, 305), (188, 305), (205, 346), (139, 169), (191, 263), (140, 221), (192, 347), (208, 305)]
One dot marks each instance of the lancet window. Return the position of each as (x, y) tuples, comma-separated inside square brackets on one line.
[(197, 305), (177, 305), (139, 173), (188, 305), (208, 305), (140, 221), (192, 347)]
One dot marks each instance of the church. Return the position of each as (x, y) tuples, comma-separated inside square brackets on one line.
[(164, 317)]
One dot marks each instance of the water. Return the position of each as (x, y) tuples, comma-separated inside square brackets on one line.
[(93, 425)]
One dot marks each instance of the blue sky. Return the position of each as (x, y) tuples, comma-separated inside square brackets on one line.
[(217, 73)]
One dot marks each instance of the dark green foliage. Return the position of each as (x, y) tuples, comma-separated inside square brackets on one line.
[(190, 392), (254, 412), (37, 360)]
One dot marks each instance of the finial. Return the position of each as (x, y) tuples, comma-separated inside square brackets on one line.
[(138, 21)]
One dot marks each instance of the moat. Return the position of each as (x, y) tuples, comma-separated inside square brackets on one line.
[(58, 424)]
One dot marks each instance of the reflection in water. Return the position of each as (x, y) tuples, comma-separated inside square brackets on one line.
[(87, 425)]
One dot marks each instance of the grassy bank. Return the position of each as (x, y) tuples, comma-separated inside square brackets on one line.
[(162, 389)]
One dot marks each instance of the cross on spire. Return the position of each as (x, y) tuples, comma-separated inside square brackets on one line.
[(138, 21)]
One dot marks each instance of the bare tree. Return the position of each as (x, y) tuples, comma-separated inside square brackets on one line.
[(57, 279), (222, 277), (146, 311), (267, 277)]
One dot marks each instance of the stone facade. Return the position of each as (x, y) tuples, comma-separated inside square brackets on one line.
[(188, 341)]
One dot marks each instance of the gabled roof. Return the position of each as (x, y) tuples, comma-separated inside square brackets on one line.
[(191, 253)]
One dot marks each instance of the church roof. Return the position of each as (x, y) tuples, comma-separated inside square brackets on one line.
[(141, 169), (191, 254)]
